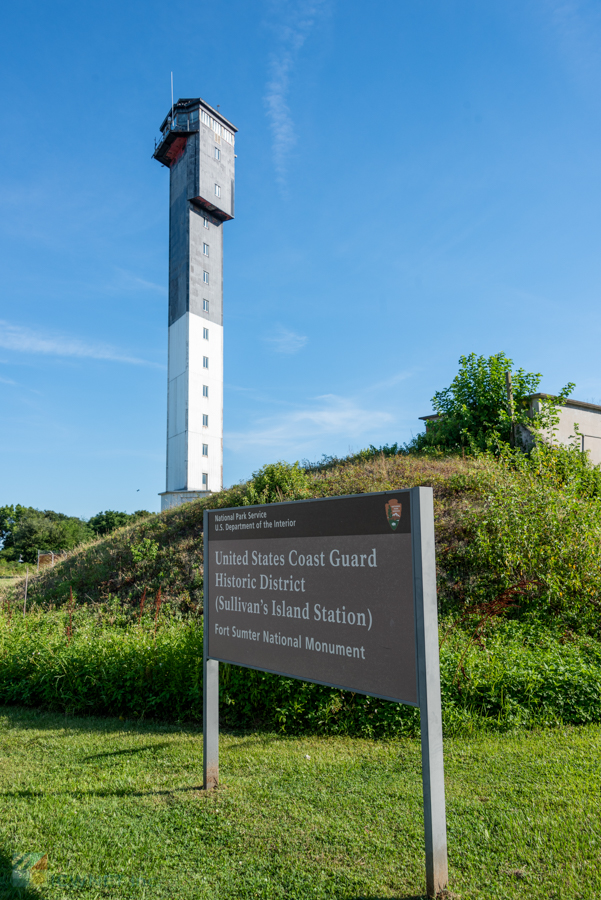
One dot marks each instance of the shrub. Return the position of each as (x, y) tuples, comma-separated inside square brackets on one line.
[(515, 676), (565, 467), (525, 530), (109, 520), (474, 412), (276, 482)]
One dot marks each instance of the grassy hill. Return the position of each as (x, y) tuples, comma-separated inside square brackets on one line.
[(519, 576), (166, 550)]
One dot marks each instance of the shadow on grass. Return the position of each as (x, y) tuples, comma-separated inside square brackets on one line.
[(32, 795), (36, 719), (25, 717), (128, 752)]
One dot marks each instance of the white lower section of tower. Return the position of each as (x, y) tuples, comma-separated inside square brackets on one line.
[(194, 410)]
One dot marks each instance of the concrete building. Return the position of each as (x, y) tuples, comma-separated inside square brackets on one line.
[(197, 146), (587, 416)]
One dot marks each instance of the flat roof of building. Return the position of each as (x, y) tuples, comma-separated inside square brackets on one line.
[(581, 404)]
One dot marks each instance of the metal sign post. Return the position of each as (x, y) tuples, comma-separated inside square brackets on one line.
[(339, 591), (428, 666), (210, 687)]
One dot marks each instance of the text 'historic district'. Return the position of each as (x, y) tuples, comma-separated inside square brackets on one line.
[(325, 595)]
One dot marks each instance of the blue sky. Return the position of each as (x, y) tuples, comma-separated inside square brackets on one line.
[(415, 180)]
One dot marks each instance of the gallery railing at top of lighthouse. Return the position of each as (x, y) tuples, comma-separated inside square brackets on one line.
[(188, 120)]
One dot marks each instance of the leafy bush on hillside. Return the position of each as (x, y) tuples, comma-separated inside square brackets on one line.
[(474, 413), (566, 468), (535, 544), (276, 482)]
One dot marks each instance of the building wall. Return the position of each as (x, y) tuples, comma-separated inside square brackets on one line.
[(198, 405), (205, 229), (219, 172), (186, 405), (587, 417)]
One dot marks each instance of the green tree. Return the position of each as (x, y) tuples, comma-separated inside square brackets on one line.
[(474, 413), (9, 515), (25, 530), (105, 522)]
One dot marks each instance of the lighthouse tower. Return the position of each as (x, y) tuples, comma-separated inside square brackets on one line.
[(197, 146)]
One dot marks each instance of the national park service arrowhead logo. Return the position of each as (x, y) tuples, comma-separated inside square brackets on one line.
[(393, 512)]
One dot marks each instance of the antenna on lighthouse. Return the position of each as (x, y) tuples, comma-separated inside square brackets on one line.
[(172, 100)]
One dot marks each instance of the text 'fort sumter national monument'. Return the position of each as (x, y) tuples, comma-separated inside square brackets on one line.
[(197, 146)]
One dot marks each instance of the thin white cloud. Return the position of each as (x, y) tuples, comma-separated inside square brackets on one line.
[(295, 430), (388, 382), (26, 340), (134, 282), (577, 26), (291, 27), (285, 341), (7, 381)]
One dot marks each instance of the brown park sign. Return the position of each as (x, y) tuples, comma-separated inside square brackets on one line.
[(339, 591), (321, 591)]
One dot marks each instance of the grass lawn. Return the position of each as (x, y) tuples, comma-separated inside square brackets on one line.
[(294, 817)]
